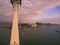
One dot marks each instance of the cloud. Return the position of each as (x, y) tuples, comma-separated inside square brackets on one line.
[(39, 5), (29, 8), (35, 8)]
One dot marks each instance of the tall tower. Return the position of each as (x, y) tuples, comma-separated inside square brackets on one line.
[(15, 33)]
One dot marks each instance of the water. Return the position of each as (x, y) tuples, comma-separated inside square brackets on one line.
[(41, 35)]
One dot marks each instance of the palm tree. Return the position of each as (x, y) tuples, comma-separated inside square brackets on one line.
[(15, 34)]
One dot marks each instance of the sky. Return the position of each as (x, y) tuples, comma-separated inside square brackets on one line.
[(31, 11)]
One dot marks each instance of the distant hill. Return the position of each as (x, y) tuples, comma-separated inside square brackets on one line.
[(5, 23)]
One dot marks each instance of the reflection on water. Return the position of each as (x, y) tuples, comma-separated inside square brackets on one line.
[(41, 35)]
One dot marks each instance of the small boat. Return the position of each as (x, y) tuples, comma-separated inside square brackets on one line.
[(57, 31), (22, 33)]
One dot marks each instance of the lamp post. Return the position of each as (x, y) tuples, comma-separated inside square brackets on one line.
[(15, 33)]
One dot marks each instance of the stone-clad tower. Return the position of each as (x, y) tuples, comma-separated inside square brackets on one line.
[(15, 31)]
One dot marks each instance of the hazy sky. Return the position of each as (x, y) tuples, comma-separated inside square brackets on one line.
[(32, 11)]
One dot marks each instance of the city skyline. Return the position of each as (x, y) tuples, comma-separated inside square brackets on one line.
[(46, 11)]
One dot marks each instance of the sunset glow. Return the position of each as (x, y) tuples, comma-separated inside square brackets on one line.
[(46, 11)]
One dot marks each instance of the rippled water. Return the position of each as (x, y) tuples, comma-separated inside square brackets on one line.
[(41, 35)]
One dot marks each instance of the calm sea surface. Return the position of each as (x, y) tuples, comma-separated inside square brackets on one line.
[(41, 35)]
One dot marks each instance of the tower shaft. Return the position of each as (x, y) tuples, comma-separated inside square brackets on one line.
[(15, 33)]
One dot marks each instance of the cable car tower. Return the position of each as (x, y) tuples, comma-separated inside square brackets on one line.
[(15, 31)]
